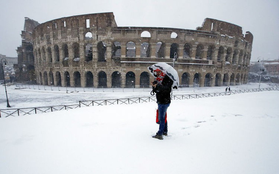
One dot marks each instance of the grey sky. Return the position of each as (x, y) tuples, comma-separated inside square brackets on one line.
[(260, 17)]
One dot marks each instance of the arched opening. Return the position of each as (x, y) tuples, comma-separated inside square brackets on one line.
[(58, 78), (102, 48), (145, 34), (234, 57), (65, 55), (102, 79), (51, 79), (210, 52), (145, 50), (49, 54), (56, 53), (187, 51), (130, 49), (237, 80), (65, 52), (199, 51), (174, 35), (218, 79), (45, 82), (116, 50), (67, 79), (226, 80), (160, 50), (89, 79), (220, 54), (185, 80), (116, 80), (228, 56), (41, 79), (77, 79), (76, 52), (208, 80), (232, 80), (130, 80), (88, 35), (196, 81), (88, 52), (144, 80), (174, 51)]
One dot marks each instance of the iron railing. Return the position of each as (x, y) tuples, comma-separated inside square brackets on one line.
[(120, 101)]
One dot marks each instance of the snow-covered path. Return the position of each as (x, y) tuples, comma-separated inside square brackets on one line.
[(229, 134)]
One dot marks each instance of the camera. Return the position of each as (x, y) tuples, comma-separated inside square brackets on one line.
[(154, 83)]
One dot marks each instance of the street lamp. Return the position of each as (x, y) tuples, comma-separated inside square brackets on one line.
[(4, 61)]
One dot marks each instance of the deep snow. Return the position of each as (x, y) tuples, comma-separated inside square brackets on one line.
[(227, 134)]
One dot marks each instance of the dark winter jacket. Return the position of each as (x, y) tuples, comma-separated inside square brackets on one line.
[(163, 91)]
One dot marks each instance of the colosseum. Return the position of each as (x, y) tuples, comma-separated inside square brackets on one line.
[(92, 51)]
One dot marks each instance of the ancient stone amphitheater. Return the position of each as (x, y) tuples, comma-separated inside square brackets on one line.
[(92, 51)]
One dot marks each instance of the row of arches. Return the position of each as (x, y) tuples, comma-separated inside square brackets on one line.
[(116, 80), (200, 51)]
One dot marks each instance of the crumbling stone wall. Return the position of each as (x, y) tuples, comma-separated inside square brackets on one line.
[(92, 51)]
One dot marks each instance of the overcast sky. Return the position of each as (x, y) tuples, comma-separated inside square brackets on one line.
[(260, 17)]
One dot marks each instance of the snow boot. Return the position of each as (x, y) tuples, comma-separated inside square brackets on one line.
[(160, 137)]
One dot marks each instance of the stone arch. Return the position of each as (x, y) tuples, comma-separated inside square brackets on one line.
[(102, 48), (228, 56), (226, 79), (218, 78), (187, 51), (210, 52), (102, 79), (49, 54), (45, 79), (221, 52), (160, 50), (145, 50), (185, 79), (145, 34), (56, 53), (88, 52), (234, 56), (76, 52), (77, 79), (58, 78), (130, 79), (144, 80), (65, 52), (67, 79), (51, 79), (41, 78), (116, 79), (89, 79), (199, 51), (116, 50), (237, 80), (232, 79), (196, 80), (208, 80), (174, 50), (130, 49)]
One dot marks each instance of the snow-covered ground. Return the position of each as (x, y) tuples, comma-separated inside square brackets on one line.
[(227, 134)]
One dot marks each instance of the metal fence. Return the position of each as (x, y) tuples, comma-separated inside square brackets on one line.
[(87, 103)]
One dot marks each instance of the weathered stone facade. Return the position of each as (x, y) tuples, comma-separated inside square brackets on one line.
[(92, 51), (25, 70)]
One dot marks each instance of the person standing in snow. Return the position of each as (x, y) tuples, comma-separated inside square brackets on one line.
[(162, 86)]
